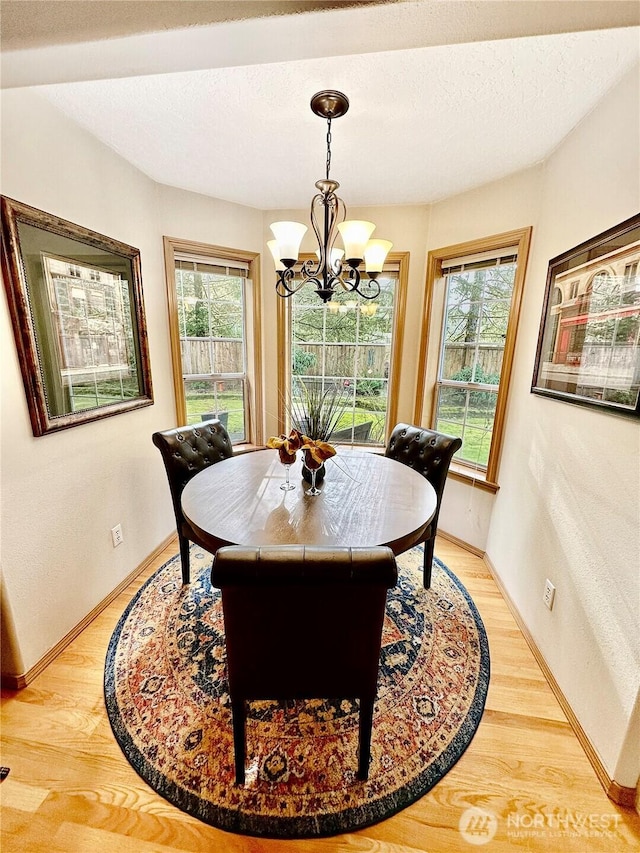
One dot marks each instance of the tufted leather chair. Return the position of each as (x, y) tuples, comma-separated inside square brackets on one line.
[(303, 622), (186, 451), (429, 453)]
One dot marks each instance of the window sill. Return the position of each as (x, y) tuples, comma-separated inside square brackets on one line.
[(239, 449), (456, 470), (368, 448), (472, 477)]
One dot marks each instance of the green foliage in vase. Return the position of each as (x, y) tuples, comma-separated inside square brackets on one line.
[(315, 410)]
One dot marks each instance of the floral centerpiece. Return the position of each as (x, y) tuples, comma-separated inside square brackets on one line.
[(316, 454), (314, 410)]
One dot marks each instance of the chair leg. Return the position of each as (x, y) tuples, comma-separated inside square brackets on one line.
[(184, 558), (428, 563), (238, 713), (364, 748)]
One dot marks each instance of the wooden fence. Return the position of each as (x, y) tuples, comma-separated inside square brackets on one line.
[(457, 357), (340, 360), (202, 356)]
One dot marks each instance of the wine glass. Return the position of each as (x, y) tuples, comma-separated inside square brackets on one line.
[(313, 466), (287, 460)]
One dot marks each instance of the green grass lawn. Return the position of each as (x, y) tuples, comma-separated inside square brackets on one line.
[(200, 403), (88, 395), (362, 416), (476, 440)]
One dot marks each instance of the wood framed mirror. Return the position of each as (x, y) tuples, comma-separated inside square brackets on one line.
[(75, 299)]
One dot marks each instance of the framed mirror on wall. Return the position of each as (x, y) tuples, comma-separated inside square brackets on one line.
[(75, 299)]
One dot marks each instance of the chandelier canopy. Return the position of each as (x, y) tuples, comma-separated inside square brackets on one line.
[(334, 267)]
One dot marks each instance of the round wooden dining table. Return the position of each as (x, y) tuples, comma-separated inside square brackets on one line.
[(365, 500)]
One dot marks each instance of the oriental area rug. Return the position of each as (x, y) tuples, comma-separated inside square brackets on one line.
[(167, 701)]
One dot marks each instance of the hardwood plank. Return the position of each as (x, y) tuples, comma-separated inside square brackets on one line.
[(17, 795)]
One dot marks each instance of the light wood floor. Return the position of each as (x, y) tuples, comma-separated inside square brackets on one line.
[(71, 790)]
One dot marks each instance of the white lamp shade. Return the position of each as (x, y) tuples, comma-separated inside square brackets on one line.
[(288, 236), (355, 235), (375, 254), (336, 255), (273, 248)]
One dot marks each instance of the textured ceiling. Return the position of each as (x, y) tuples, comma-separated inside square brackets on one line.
[(33, 23), (425, 122)]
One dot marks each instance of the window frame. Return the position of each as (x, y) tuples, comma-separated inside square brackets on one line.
[(427, 375), (253, 325), (401, 259)]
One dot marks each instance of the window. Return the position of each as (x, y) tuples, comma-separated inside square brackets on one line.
[(212, 298), (348, 343), (473, 300)]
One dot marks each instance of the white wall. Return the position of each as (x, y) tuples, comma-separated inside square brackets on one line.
[(63, 492), (190, 216), (568, 507)]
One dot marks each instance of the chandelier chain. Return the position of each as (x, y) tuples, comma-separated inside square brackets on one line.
[(328, 146)]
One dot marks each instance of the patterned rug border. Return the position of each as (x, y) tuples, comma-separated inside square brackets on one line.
[(348, 820)]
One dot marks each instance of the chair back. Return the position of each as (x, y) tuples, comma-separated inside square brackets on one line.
[(426, 451), (187, 450), (303, 622)]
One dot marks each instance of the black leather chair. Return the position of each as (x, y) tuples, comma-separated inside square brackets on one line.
[(186, 451), (429, 453), (303, 622)]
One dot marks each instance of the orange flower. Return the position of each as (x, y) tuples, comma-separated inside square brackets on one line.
[(287, 446), (316, 453)]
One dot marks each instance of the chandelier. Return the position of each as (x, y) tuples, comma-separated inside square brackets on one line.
[(333, 267)]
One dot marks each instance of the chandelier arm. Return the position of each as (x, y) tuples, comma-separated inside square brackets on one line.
[(356, 282), (374, 286), (283, 284), (335, 213), (309, 269), (323, 274), (317, 200), (353, 282)]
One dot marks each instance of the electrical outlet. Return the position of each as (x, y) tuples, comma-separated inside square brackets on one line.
[(116, 535), (549, 594)]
